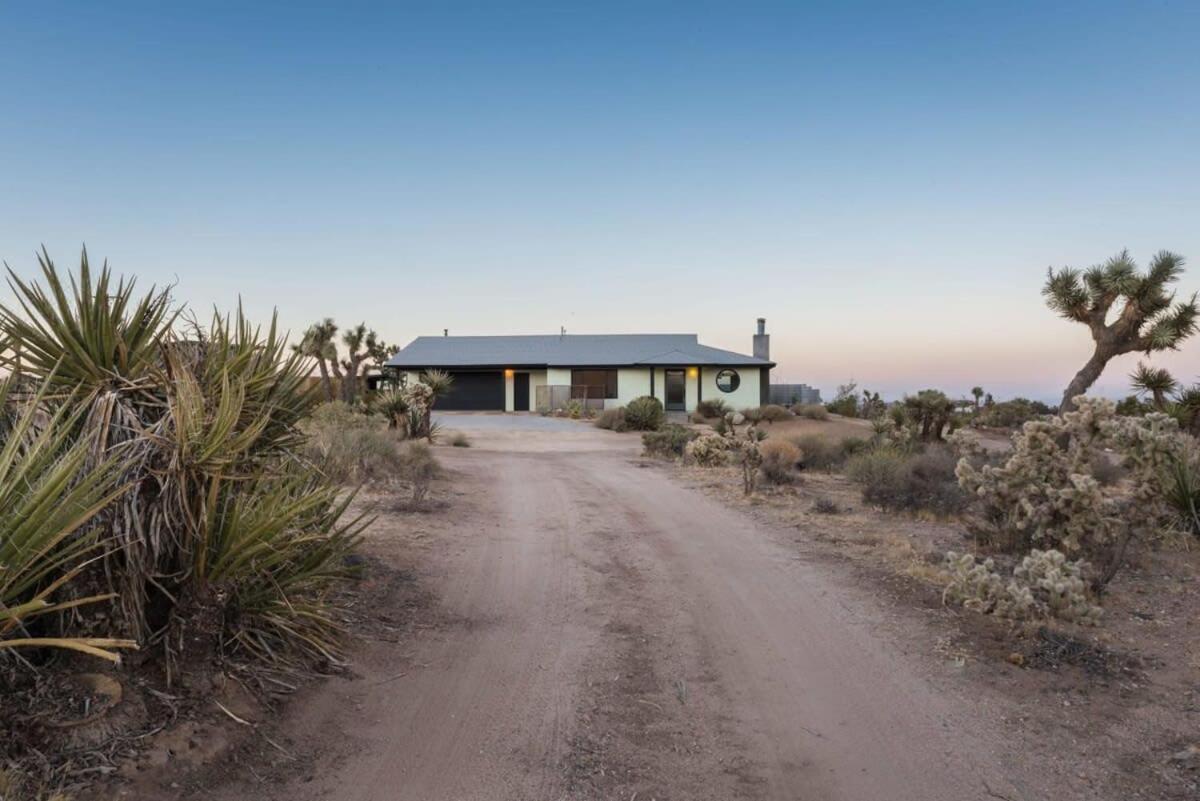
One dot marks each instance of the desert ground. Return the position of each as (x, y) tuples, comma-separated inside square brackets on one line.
[(572, 621)]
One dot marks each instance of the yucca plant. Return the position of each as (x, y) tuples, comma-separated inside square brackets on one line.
[(200, 422), (277, 550), (392, 405), (1181, 491), (89, 338), (47, 504)]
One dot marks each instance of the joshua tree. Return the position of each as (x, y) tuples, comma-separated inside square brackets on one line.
[(317, 343), (930, 410), (1147, 318), (977, 392), (363, 346), (1156, 381)]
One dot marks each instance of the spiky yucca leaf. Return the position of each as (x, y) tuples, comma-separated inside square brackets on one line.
[(278, 548), (47, 501), (84, 337)]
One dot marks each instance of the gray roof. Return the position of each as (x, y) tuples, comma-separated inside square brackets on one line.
[(569, 350)]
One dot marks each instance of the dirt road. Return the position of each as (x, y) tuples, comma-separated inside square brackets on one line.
[(607, 633)]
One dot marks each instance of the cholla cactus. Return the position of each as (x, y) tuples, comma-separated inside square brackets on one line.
[(707, 450), (1045, 492), (1045, 584), (750, 456)]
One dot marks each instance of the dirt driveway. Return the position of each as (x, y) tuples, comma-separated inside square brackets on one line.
[(604, 632)]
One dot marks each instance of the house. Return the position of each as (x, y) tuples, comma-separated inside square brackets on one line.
[(532, 373)]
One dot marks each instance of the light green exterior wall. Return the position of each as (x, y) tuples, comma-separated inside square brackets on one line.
[(746, 396), (537, 378), (632, 382)]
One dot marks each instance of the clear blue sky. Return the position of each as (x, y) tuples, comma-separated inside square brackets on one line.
[(886, 185)]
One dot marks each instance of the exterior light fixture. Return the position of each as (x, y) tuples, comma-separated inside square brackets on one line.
[(693, 372), (508, 373)]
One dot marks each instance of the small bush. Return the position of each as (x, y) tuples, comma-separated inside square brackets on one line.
[(645, 414), (811, 411), (779, 461), (574, 409), (896, 480), (819, 452), (612, 419), (668, 442), (773, 413), (826, 506), (1012, 413), (418, 468), (752, 416), (711, 408), (349, 446), (853, 445), (879, 473), (460, 440), (846, 407)]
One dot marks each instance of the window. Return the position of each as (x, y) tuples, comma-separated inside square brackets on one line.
[(593, 383), (728, 380)]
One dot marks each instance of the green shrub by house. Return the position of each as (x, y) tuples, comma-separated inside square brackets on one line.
[(644, 414)]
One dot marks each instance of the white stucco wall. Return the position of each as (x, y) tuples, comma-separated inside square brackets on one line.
[(632, 382), (537, 378), (510, 381), (746, 396)]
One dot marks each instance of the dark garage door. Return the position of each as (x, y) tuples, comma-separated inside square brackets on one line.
[(474, 392)]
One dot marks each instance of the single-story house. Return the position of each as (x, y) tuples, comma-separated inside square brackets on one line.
[(535, 373)]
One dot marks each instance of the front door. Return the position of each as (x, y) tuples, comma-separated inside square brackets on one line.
[(676, 390), (520, 392)]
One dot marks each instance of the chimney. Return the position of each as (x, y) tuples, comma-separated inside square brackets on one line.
[(762, 340), (445, 332)]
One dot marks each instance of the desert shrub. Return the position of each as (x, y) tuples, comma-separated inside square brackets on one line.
[(826, 506), (819, 452), (853, 445), (460, 440), (710, 408), (348, 446), (668, 442), (773, 413), (846, 407), (574, 409), (1133, 406), (418, 468), (1012, 413), (894, 479), (706, 450), (644, 414), (779, 460), (879, 472), (811, 411), (746, 450), (1045, 584), (612, 419), (753, 415)]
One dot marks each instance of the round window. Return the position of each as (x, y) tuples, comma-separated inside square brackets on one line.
[(728, 380)]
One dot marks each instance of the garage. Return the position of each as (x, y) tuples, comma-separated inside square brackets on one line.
[(474, 392)]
